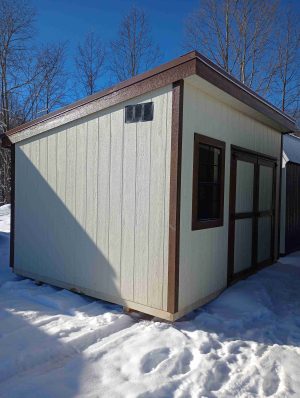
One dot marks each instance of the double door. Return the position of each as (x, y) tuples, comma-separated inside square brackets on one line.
[(251, 213)]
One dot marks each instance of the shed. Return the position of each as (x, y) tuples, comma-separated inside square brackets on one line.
[(154, 194), (290, 203)]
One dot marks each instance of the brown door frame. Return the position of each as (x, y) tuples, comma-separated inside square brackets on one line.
[(258, 159)]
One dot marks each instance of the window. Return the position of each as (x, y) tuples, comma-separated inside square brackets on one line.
[(139, 113), (208, 182)]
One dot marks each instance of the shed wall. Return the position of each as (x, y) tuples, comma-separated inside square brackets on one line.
[(203, 253), (92, 204)]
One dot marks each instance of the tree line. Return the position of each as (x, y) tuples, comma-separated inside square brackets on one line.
[(256, 41)]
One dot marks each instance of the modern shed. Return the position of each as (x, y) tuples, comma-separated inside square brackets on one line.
[(154, 194), (290, 197)]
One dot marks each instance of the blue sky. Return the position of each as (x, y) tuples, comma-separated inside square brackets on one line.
[(69, 21)]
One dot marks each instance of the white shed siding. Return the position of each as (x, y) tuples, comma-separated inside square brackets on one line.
[(203, 253), (92, 204)]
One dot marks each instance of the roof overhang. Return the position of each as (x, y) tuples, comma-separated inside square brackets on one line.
[(183, 67)]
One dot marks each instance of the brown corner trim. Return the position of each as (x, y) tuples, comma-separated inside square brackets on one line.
[(175, 186), (12, 208)]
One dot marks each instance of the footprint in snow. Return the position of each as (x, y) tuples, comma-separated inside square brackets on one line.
[(217, 376), (271, 381), (153, 359), (182, 363), (208, 346)]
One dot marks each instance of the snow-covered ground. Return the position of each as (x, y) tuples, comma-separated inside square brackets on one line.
[(54, 343)]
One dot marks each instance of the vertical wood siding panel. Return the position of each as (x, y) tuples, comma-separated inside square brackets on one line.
[(157, 194), (167, 200), (71, 170), (115, 189), (128, 210), (105, 275), (52, 163), (81, 248), (51, 202), (24, 183), (92, 179), (142, 212), (81, 132), (20, 197), (61, 165), (43, 168), (43, 171), (71, 198), (34, 186), (58, 203)]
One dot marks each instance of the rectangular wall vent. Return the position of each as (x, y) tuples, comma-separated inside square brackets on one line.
[(139, 113)]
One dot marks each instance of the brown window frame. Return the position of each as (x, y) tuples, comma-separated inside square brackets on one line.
[(197, 223)]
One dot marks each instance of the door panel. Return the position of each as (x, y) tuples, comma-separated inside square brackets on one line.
[(264, 239), (265, 188), (243, 245), (251, 212), (266, 211), (244, 187)]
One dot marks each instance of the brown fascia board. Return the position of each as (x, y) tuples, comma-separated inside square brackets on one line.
[(189, 64)]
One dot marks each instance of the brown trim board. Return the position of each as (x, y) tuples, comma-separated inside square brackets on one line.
[(278, 210), (12, 207), (187, 65), (175, 187)]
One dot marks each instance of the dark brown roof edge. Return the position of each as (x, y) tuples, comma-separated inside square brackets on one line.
[(204, 68), (230, 84), (127, 83)]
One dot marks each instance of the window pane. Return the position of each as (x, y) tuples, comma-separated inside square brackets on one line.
[(208, 173), (216, 156), (204, 154), (208, 201)]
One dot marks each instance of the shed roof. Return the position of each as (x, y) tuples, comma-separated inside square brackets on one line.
[(291, 148), (192, 63)]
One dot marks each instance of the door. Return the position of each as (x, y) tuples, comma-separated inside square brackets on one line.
[(252, 211)]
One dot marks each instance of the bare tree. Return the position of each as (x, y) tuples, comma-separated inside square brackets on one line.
[(133, 51), (32, 81), (287, 82), (16, 29), (48, 89), (236, 34), (209, 29), (89, 61)]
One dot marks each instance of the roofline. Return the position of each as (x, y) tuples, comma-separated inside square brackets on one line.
[(179, 68)]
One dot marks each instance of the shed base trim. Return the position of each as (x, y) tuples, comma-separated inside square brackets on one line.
[(118, 300), (98, 295)]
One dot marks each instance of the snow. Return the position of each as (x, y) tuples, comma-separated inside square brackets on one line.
[(55, 343)]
